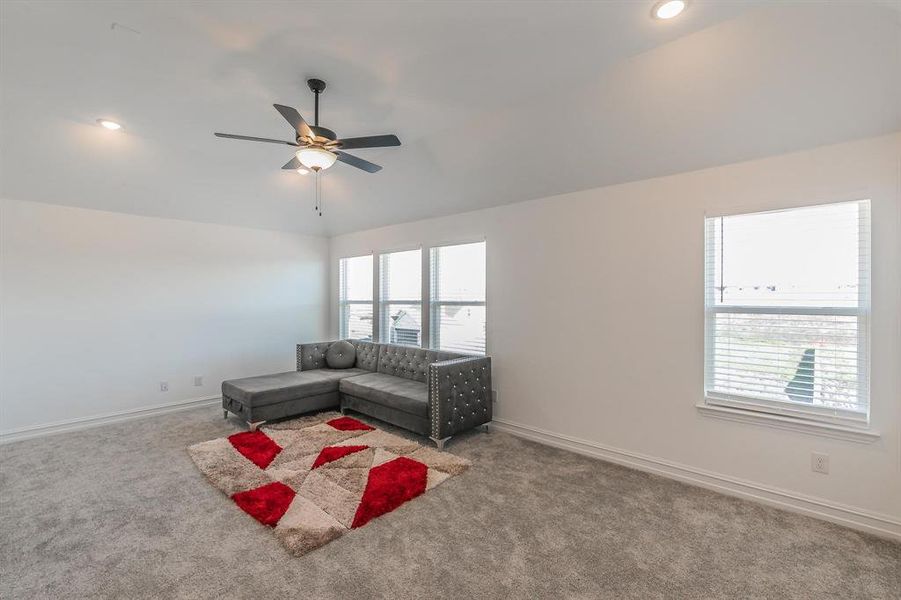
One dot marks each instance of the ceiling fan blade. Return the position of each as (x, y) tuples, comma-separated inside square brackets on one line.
[(253, 139), (356, 161), (293, 165), (293, 117), (370, 141)]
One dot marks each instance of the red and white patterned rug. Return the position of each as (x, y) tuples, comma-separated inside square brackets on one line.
[(315, 477)]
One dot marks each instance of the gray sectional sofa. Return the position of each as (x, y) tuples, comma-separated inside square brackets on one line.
[(433, 393)]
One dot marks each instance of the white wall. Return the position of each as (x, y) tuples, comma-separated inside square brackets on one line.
[(595, 324), (98, 308)]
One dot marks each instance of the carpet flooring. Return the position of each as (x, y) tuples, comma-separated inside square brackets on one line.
[(121, 512)]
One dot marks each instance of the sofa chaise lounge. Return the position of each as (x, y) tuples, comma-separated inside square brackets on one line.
[(432, 393)]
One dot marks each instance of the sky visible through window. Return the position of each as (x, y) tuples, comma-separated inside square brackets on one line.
[(402, 275), (462, 272), (803, 257), (358, 271), (462, 275)]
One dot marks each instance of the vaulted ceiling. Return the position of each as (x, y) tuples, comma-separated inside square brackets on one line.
[(495, 102)]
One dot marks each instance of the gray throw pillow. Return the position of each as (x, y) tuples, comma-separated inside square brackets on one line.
[(341, 355)]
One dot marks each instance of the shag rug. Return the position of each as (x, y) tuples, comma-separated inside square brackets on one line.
[(315, 477)]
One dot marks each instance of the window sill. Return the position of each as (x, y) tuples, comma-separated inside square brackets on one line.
[(838, 432)]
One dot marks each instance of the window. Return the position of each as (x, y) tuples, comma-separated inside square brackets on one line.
[(787, 306), (457, 301), (401, 297), (355, 297)]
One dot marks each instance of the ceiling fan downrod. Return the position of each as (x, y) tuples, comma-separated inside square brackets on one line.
[(317, 86)]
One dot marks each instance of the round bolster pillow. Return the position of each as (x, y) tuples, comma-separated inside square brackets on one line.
[(341, 355)]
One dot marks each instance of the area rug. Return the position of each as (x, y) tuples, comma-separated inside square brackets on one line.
[(314, 478)]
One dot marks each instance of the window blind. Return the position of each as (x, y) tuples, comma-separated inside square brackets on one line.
[(400, 277), (786, 311), (355, 297), (458, 300)]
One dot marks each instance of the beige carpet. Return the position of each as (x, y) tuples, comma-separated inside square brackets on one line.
[(122, 512)]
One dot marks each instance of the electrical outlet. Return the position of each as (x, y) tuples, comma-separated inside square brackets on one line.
[(819, 463), (494, 396), (198, 380), (164, 386)]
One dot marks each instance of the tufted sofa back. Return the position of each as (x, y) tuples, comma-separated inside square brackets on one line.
[(367, 355), (392, 359), (312, 356), (409, 362)]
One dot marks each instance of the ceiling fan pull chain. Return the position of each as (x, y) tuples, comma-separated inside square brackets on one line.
[(317, 193)]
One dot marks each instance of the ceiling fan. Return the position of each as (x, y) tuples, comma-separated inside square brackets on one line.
[(319, 147)]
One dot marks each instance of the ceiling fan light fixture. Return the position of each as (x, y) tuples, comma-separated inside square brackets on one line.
[(303, 171), (316, 158), (669, 9)]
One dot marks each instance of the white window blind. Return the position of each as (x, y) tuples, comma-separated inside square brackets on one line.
[(355, 297), (400, 274), (457, 303), (786, 312)]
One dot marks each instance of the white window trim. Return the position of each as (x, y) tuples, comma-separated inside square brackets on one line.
[(343, 305), (828, 422), (426, 303), (839, 432), (427, 290), (383, 303), (434, 306)]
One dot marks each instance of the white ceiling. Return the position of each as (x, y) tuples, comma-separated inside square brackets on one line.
[(494, 102)]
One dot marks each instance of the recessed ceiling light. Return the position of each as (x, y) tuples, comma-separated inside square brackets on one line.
[(303, 171), (111, 125), (668, 9)]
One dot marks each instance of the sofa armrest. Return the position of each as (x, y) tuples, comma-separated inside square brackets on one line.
[(312, 356), (459, 395)]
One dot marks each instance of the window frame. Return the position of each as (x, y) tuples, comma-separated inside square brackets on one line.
[(384, 303), (818, 416), (344, 305), (379, 304), (435, 305)]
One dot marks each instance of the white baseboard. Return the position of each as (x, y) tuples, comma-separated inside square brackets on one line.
[(849, 516), (33, 431)]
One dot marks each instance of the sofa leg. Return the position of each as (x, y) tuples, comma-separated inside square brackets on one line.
[(254, 425), (486, 428), (224, 414), (440, 443)]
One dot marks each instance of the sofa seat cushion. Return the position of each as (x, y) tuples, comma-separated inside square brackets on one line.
[(281, 387), (394, 392)]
